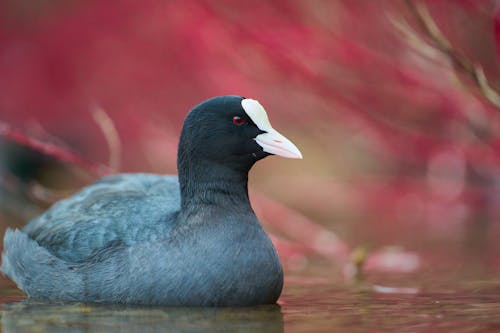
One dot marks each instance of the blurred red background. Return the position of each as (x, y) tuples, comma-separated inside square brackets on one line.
[(400, 145)]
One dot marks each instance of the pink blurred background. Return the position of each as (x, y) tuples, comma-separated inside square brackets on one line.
[(400, 146)]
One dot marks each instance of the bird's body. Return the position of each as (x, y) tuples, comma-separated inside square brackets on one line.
[(153, 239), (129, 208)]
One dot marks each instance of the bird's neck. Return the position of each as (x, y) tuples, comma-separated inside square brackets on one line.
[(208, 184)]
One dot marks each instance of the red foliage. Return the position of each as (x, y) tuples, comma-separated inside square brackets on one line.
[(496, 21), (338, 74)]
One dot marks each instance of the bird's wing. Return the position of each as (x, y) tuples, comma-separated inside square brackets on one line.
[(125, 208)]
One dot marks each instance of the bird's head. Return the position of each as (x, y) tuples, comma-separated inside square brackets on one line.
[(234, 131)]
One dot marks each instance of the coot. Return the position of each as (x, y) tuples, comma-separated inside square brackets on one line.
[(191, 240)]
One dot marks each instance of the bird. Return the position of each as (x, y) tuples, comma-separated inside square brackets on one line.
[(190, 239)]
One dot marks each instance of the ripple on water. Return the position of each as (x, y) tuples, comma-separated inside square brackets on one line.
[(313, 301)]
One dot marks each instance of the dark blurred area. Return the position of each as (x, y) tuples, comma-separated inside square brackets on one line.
[(401, 142)]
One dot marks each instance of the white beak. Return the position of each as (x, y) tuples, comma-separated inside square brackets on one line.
[(274, 143)]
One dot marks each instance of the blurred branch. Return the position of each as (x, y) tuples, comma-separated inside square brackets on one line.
[(49, 149), (459, 61), (302, 230), (108, 128)]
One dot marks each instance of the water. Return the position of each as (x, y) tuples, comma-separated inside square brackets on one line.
[(437, 298)]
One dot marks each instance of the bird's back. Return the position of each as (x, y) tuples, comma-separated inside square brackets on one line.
[(124, 208)]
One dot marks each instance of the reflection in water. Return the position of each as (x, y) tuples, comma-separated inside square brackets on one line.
[(449, 297), (29, 316)]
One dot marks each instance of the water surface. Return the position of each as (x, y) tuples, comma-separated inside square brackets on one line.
[(444, 298)]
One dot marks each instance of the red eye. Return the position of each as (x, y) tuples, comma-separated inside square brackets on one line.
[(238, 120)]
